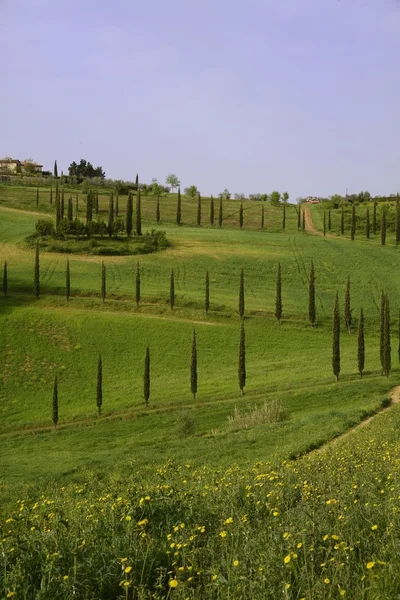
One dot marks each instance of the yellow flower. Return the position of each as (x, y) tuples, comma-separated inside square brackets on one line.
[(287, 559), (173, 583), (370, 565), (222, 534), (11, 594), (123, 560), (65, 577), (275, 513), (228, 521), (235, 563), (342, 592), (326, 580), (299, 545), (287, 586), (214, 577), (143, 522), (374, 527), (128, 569), (128, 518)]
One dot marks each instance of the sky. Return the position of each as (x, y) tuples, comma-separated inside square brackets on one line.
[(251, 95)]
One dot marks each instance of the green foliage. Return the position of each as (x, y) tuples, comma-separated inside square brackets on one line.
[(329, 220), (36, 274), (382, 330), (110, 225), (324, 230), (99, 389), (89, 206), (312, 312), (241, 215), (242, 360), (220, 212), (186, 425), (284, 218), (45, 227), (85, 169), (138, 214), (383, 227), (173, 181), (55, 402), (212, 211), (336, 339), (342, 221), (241, 294), (275, 198), (70, 209), (397, 221), (374, 218), (262, 215), (278, 297), (367, 225), (198, 220), (129, 213), (158, 215), (193, 367), (179, 208), (353, 222), (55, 170), (387, 362), (192, 191), (146, 377), (361, 344)]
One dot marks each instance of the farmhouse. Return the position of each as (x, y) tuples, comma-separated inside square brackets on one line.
[(312, 200), (17, 166)]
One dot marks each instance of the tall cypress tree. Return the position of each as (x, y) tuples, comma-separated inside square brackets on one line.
[(172, 290), (55, 403), (220, 213), (137, 286), (146, 377), (55, 171), (110, 225), (361, 344), (367, 224), (207, 293), (67, 281), (77, 204), (298, 218), (242, 360), (353, 222), (58, 213), (138, 214), (198, 220), (262, 215), (5, 279), (62, 206), (336, 340), (241, 215), (179, 208), (96, 201), (51, 196), (342, 221), (36, 276), (137, 180), (284, 217), (397, 221), (382, 329), (116, 205), (324, 223), (37, 197), (241, 294), (387, 362), (303, 218), (193, 367), (99, 391), (129, 213), (329, 220), (158, 216), (89, 206), (70, 215), (383, 227), (311, 297), (103, 282), (347, 307), (278, 299), (374, 218), (211, 210)]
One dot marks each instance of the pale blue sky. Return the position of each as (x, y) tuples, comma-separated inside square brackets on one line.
[(250, 95)]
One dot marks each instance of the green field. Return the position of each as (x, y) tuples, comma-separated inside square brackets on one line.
[(288, 362)]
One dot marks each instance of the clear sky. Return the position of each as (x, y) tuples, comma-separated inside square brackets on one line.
[(252, 95)]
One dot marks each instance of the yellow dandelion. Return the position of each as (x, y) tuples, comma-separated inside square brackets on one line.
[(235, 563), (214, 577), (128, 569), (287, 559), (65, 577), (11, 594), (228, 521), (370, 564), (173, 583), (374, 527), (222, 534), (326, 580)]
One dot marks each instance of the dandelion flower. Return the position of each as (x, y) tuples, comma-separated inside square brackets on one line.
[(235, 563), (374, 527), (287, 559), (128, 569), (326, 580), (370, 565), (228, 521), (222, 534), (173, 583)]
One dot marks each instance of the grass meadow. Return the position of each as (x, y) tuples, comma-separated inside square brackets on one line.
[(85, 486)]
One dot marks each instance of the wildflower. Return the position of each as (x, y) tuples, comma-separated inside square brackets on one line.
[(128, 569), (342, 592), (299, 545), (370, 565), (214, 577), (124, 583), (11, 594), (143, 522), (228, 521), (287, 586), (287, 559), (374, 527), (128, 518), (123, 560), (65, 577), (326, 580), (222, 534), (235, 563), (173, 583)]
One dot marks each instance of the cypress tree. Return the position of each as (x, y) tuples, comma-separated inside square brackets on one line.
[(242, 360), (353, 222), (262, 215), (397, 221), (110, 225), (193, 367), (329, 220), (55, 171), (67, 281), (179, 208), (58, 213), (103, 282), (284, 217), (324, 223), (70, 215), (97, 201), (241, 216), (158, 216), (89, 206), (36, 277), (303, 218), (146, 377), (5, 279), (62, 206), (211, 211), (37, 197), (336, 339), (347, 307), (138, 214), (172, 290), (51, 196), (198, 221), (311, 297), (298, 218), (382, 329), (137, 180), (342, 222), (116, 205), (129, 212), (55, 402), (99, 391), (220, 213), (374, 218), (278, 299), (241, 294), (383, 227), (361, 344), (387, 362), (367, 224), (137, 286), (207, 293), (77, 204)]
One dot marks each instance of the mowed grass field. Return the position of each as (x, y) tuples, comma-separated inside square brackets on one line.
[(290, 362)]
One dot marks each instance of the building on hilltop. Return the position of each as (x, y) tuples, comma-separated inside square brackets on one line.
[(12, 165)]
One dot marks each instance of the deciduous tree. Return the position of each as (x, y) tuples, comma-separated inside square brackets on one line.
[(173, 181)]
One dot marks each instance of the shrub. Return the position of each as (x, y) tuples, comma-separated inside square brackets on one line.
[(45, 227), (186, 425), (269, 412)]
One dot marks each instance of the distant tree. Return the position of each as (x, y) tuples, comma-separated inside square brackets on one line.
[(324, 223), (311, 297), (117, 205), (361, 344), (137, 181), (67, 281), (110, 225), (241, 216), (387, 363), (211, 210), (336, 339), (193, 367), (89, 206), (99, 391), (146, 377), (278, 299), (62, 204), (96, 201), (303, 218), (262, 215), (191, 191), (383, 227), (241, 294), (397, 221), (347, 307), (103, 282), (198, 220), (51, 196), (329, 220), (382, 329), (37, 197), (137, 286), (220, 213), (342, 221), (353, 222), (77, 204), (172, 290), (173, 181), (367, 224), (158, 216), (374, 218), (70, 215), (284, 217), (275, 198), (55, 169), (138, 214), (179, 208), (5, 279), (226, 195), (242, 360), (207, 293), (299, 217), (285, 197), (129, 213), (58, 213), (55, 402), (36, 277), (85, 170)]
